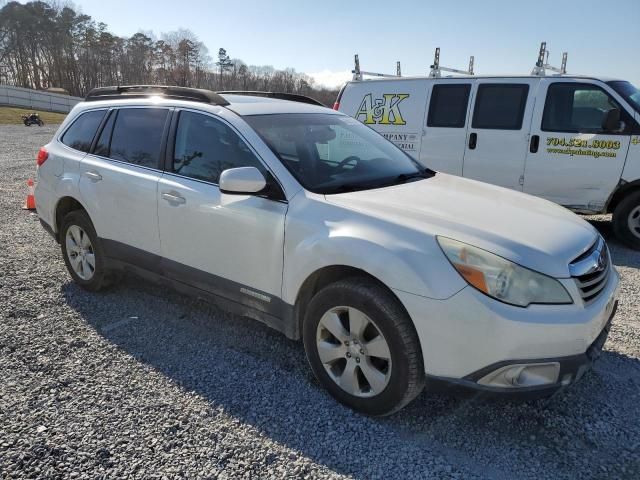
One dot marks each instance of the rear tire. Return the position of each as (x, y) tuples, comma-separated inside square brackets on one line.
[(626, 220), (82, 251), (389, 332)]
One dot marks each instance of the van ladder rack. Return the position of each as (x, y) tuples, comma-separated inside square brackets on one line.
[(436, 69), (542, 65), (359, 74), (146, 91), (292, 97)]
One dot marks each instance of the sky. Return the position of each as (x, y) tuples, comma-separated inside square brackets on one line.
[(320, 38)]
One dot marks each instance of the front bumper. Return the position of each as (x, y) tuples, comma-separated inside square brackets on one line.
[(571, 369), (469, 335)]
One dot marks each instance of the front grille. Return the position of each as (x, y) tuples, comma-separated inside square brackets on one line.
[(591, 271)]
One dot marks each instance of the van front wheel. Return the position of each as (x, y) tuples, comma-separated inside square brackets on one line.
[(626, 220)]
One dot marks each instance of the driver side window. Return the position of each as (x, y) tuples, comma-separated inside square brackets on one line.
[(205, 147), (576, 107)]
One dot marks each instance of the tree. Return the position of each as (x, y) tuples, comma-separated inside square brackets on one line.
[(45, 44)]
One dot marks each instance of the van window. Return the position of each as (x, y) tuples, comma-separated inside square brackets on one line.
[(575, 107), (79, 135), (500, 106), (205, 147), (137, 136), (448, 105)]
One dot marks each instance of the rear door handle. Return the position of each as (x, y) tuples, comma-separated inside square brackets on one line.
[(534, 144), (173, 198), (473, 140), (93, 176)]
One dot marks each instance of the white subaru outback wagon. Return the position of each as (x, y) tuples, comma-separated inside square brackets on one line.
[(303, 218)]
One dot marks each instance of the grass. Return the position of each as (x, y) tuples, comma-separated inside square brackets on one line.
[(13, 116)]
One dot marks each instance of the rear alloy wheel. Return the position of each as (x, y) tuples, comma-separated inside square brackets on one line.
[(626, 220), (82, 251), (362, 346)]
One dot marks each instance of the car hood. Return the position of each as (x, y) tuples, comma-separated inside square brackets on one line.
[(532, 232)]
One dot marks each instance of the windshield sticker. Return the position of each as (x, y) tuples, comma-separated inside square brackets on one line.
[(382, 111)]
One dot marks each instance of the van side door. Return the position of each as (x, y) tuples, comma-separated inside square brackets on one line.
[(572, 158), (444, 139), (498, 132)]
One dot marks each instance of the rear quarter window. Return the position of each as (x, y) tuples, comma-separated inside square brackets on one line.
[(79, 135)]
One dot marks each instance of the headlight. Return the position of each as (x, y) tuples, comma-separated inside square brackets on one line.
[(501, 279)]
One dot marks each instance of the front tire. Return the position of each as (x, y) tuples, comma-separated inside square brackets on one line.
[(363, 347), (626, 220), (82, 251)]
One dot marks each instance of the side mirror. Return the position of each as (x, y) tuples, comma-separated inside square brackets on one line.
[(242, 180), (611, 120)]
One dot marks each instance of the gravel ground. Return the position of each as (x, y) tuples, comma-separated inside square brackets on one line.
[(139, 382)]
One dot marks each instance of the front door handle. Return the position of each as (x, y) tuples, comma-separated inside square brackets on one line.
[(473, 140), (93, 176), (534, 144), (173, 198)]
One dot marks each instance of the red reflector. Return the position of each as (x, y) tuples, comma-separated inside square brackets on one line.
[(336, 106), (42, 156)]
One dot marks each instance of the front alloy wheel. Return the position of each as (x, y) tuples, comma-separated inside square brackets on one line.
[(353, 351), (362, 346)]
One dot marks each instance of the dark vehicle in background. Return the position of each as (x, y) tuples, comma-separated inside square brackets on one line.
[(32, 119)]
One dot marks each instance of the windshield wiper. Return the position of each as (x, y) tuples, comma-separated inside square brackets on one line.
[(423, 173)]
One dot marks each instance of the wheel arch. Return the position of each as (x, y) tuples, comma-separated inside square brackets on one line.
[(621, 192), (64, 206), (327, 275)]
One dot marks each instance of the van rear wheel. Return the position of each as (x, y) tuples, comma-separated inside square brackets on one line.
[(362, 346), (626, 220)]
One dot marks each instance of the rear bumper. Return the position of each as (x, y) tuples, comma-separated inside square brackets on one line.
[(572, 369)]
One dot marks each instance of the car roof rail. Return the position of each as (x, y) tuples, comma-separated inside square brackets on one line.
[(145, 91), (293, 97)]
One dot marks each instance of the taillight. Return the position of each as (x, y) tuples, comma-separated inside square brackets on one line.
[(336, 106), (42, 156)]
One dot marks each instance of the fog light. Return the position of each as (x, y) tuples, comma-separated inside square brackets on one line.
[(523, 375)]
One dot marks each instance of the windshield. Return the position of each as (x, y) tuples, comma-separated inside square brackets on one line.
[(335, 153), (627, 91)]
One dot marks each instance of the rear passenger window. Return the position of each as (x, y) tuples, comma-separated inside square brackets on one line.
[(500, 106), (574, 107), (137, 136), (81, 132), (205, 147), (448, 106)]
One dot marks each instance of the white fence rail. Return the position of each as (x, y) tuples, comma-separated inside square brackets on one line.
[(36, 100)]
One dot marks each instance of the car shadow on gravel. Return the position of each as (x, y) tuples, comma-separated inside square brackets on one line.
[(261, 378)]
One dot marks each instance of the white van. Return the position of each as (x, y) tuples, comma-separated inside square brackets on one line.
[(572, 140)]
